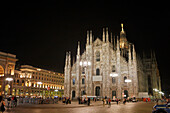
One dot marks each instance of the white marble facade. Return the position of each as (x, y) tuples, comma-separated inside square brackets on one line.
[(90, 73)]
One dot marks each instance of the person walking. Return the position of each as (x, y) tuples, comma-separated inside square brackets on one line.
[(88, 101), (15, 101), (109, 103), (64, 100), (146, 100), (124, 101), (117, 101), (104, 101), (9, 100), (2, 104)]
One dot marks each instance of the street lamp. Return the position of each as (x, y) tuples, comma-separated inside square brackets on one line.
[(128, 80), (56, 90), (9, 79), (85, 63), (113, 74), (39, 83)]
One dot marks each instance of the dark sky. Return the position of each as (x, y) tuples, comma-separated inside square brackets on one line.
[(40, 33)]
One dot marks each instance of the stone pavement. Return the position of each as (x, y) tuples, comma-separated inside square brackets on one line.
[(61, 105), (95, 107)]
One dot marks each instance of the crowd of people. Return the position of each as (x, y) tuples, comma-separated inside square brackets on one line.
[(11, 101), (66, 100)]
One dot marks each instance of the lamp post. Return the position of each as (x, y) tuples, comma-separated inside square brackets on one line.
[(158, 92), (39, 83)]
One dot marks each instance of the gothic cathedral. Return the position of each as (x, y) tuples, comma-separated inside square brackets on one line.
[(109, 68)]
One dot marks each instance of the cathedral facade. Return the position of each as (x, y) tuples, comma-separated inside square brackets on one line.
[(108, 67)]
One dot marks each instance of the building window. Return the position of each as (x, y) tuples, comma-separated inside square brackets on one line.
[(113, 80), (97, 71), (113, 68), (83, 70), (97, 56), (83, 82), (17, 81), (125, 78), (73, 81)]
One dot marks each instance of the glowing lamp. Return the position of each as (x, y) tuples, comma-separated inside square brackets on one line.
[(9, 79), (128, 80)]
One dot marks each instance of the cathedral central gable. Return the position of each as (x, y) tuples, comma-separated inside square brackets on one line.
[(97, 42)]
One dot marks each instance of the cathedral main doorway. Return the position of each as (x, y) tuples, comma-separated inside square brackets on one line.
[(113, 94), (73, 94), (97, 91), (126, 93)]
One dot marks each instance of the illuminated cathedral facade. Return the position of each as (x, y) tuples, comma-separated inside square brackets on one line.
[(110, 68)]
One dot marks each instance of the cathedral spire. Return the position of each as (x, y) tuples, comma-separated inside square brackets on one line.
[(122, 27), (118, 44), (114, 44), (66, 61), (134, 53), (78, 49), (87, 37), (103, 35), (130, 58), (69, 59), (111, 37), (107, 35), (91, 38)]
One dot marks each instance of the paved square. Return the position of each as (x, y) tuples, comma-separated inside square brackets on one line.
[(95, 107)]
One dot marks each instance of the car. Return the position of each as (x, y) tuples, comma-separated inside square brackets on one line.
[(164, 108)]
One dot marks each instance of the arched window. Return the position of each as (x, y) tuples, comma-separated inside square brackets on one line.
[(73, 81), (97, 71), (125, 78), (1, 71), (113, 80), (17, 81), (83, 70), (97, 56), (83, 81), (113, 68)]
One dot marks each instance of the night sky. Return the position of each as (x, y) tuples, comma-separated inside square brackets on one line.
[(41, 33)]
